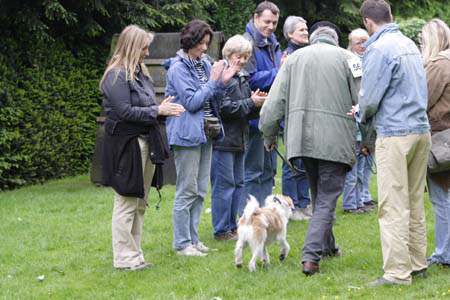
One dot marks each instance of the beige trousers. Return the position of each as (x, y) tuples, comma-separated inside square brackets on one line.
[(402, 166), (128, 218)]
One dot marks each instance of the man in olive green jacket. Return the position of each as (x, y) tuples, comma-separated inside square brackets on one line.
[(313, 91)]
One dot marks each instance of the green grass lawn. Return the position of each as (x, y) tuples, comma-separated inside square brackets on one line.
[(55, 243)]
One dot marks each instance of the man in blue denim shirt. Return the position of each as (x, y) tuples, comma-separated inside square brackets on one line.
[(394, 96)]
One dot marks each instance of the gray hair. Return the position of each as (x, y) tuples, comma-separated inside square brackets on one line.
[(237, 44), (324, 30), (356, 33), (290, 24)]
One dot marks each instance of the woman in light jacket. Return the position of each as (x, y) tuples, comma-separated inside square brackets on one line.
[(197, 87), (132, 142), (435, 47)]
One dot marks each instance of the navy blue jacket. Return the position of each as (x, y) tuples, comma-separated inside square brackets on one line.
[(264, 63)]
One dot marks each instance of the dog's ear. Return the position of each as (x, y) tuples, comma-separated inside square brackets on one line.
[(289, 201)]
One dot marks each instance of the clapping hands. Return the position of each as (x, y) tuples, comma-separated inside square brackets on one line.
[(167, 108), (258, 98), (223, 72)]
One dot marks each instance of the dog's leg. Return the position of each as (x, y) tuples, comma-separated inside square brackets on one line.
[(266, 259), (257, 251), (284, 247), (240, 244)]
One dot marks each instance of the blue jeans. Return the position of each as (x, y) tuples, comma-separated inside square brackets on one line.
[(353, 185), (227, 189), (193, 165), (260, 169), (366, 173), (441, 204), (296, 186)]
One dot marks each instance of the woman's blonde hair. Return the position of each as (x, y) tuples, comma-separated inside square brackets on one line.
[(435, 37), (237, 44), (127, 53)]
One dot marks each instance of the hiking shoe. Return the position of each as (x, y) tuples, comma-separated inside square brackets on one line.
[(227, 236), (355, 211), (190, 251)]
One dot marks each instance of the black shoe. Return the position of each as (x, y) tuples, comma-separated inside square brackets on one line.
[(365, 209), (420, 273), (355, 211), (310, 268), (371, 203)]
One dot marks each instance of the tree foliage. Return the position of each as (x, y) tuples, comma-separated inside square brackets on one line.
[(52, 55), (75, 21)]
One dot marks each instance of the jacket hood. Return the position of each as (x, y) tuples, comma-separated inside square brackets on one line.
[(257, 38), (391, 27), (182, 56)]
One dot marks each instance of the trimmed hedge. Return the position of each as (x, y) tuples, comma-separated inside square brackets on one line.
[(48, 108)]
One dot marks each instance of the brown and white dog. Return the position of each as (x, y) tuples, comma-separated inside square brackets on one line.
[(261, 226)]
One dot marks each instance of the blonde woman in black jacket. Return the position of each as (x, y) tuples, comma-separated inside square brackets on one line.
[(131, 137), (237, 106)]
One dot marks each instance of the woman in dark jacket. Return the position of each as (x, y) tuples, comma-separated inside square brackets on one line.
[(132, 141), (227, 169), (436, 53)]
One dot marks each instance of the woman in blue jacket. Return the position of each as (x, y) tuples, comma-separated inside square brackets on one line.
[(197, 87)]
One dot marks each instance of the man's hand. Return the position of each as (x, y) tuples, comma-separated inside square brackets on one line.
[(270, 147)]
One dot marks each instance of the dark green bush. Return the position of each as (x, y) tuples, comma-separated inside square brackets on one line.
[(48, 107)]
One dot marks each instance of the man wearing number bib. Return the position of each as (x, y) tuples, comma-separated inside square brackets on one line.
[(313, 91)]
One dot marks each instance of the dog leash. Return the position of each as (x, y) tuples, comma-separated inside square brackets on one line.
[(294, 170)]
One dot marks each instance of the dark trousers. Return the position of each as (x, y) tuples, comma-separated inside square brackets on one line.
[(326, 181)]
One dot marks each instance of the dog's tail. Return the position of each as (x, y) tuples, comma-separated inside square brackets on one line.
[(252, 205)]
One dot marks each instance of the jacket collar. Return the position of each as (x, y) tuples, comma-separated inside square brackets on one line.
[(325, 39), (390, 27), (258, 39)]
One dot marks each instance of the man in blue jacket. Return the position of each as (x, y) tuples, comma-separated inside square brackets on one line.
[(260, 165), (394, 95)]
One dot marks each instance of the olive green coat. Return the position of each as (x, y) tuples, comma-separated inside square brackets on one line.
[(313, 91)]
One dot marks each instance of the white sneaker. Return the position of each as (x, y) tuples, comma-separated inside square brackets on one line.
[(307, 211), (190, 251), (201, 247), (298, 215)]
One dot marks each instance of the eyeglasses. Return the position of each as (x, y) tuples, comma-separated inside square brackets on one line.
[(358, 43)]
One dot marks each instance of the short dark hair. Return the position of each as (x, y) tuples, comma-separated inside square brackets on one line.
[(378, 11), (319, 24), (267, 5), (193, 33)]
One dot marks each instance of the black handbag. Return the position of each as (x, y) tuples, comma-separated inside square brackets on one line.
[(439, 158), (212, 127)]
